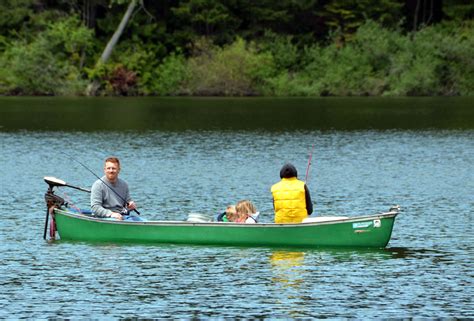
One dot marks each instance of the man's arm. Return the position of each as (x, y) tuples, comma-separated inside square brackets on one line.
[(130, 203)]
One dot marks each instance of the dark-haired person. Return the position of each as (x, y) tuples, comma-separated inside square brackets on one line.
[(110, 196), (291, 198)]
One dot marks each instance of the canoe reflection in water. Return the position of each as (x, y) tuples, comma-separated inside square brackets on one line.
[(288, 267)]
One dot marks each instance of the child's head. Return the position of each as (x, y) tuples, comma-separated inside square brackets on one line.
[(245, 207), (230, 209)]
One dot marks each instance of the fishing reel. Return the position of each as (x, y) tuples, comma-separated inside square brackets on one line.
[(124, 211)]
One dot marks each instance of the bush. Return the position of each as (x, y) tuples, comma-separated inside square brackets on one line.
[(122, 82), (32, 69), (169, 76), (285, 53), (437, 60), (141, 58), (414, 68), (235, 70), (357, 68), (289, 84), (48, 65), (456, 48)]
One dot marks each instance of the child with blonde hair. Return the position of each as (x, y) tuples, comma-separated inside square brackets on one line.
[(246, 212)]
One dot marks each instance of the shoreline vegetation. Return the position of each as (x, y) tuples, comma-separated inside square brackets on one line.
[(236, 48)]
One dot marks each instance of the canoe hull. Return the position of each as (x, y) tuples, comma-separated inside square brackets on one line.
[(372, 231)]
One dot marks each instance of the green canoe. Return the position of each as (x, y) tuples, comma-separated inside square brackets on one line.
[(372, 231)]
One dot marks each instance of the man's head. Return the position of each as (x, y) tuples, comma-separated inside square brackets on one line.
[(112, 168), (288, 171)]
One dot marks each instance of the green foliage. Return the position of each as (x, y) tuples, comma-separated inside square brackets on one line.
[(34, 70), (345, 17), (143, 59), (436, 61), (149, 76), (458, 49), (237, 69), (459, 10), (337, 71), (454, 45), (205, 18), (228, 47), (264, 15), (290, 84), (169, 76), (205, 14), (68, 39), (285, 53), (49, 65), (414, 68), (13, 13), (358, 68)]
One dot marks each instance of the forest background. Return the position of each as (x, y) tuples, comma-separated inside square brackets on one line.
[(237, 47)]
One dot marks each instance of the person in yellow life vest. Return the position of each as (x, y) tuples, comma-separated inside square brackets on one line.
[(291, 198)]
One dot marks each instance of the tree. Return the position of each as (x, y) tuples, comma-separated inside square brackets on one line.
[(422, 13), (343, 18), (49, 63), (13, 13), (94, 86)]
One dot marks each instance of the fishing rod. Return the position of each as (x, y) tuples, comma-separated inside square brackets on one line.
[(309, 164), (100, 179)]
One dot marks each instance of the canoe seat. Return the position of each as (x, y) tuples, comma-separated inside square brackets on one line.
[(80, 211), (324, 219), (199, 218)]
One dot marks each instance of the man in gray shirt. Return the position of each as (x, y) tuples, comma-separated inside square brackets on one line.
[(106, 202)]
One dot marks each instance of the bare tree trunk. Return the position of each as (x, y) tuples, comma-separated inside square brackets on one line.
[(431, 13), (113, 41), (94, 86), (415, 18)]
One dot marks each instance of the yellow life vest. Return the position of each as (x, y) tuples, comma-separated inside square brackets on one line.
[(290, 201)]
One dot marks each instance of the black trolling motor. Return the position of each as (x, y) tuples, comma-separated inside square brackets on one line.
[(54, 201)]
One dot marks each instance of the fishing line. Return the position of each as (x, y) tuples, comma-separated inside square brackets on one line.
[(70, 203)]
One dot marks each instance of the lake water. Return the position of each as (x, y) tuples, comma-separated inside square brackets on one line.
[(198, 155)]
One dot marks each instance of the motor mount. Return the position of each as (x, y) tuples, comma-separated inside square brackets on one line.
[(53, 200)]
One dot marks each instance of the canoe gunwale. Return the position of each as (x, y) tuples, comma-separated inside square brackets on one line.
[(369, 231), (354, 219)]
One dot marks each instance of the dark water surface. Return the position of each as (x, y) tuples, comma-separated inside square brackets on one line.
[(198, 155)]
